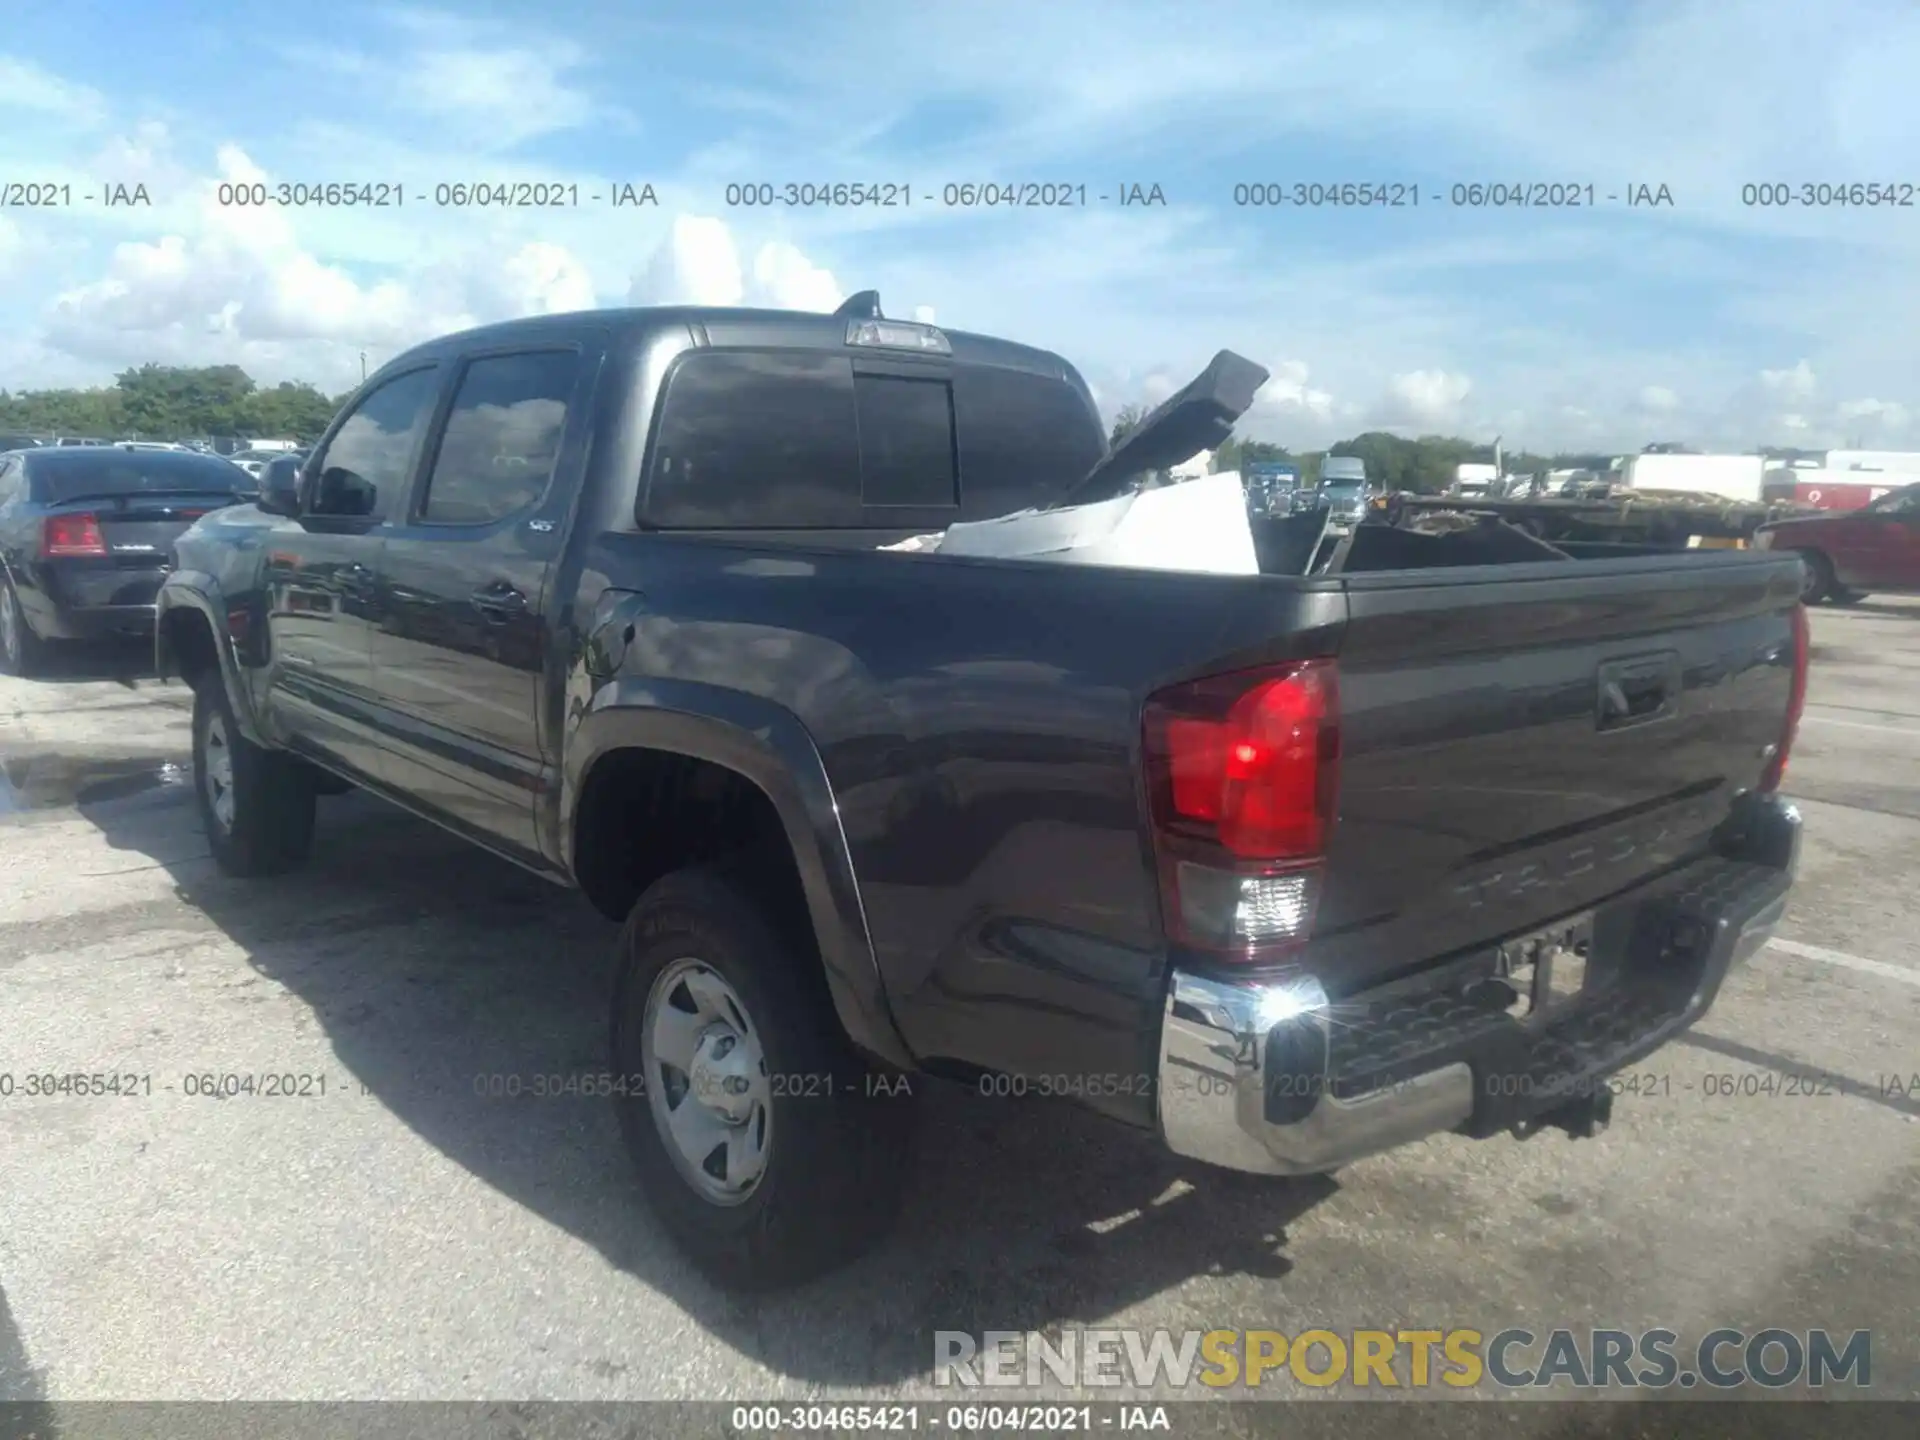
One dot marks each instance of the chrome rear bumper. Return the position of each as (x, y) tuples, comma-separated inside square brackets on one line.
[(1215, 1082), (1269, 1076)]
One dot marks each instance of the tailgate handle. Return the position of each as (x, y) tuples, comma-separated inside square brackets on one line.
[(1638, 691)]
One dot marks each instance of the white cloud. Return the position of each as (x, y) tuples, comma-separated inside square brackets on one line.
[(1795, 384), (25, 86), (1424, 397), (240, 287), (787, 280), (1287, 393), (1883, 415), (923, 314), (697, 264), (1658, 398), (492, 84), (519, 92), (1157, 388), (541, 278)]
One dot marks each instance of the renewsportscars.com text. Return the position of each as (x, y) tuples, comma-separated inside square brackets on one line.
[(1456, 1357)]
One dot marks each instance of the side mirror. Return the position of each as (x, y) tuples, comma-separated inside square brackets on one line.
[(280, 486)]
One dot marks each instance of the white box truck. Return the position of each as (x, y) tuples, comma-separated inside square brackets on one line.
[(1734, 477)]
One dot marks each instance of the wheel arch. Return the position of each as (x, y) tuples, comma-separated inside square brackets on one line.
[(709, 746), (191, 640)]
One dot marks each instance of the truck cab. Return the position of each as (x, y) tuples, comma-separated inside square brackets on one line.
[(1345, 491)]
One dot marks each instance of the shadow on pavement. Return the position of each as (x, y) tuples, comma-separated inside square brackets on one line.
[(120, 661), (433, 966)]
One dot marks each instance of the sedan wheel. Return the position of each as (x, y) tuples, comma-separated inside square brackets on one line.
[(9, 629), (1819, 581), (21, 650)]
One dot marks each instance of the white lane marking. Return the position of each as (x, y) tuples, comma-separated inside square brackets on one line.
[(1846, 961), (1859, 725)]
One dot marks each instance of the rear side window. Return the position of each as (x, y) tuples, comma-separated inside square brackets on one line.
[(757, 439), (906, 441), (502, 437), (1023, 440)]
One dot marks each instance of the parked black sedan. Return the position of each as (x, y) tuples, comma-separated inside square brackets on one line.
[(86, 535)]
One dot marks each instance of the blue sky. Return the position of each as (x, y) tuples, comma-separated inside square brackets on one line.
[(1603, 327)]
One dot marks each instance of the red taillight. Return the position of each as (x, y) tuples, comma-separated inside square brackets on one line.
[(69, 535), (1776, 770), (1242, 773)]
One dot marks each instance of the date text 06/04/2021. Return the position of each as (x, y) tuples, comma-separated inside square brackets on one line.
[(1056, 194), (476, 194), (1463, 195)]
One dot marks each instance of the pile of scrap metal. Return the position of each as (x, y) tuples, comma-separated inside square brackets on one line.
[(1658, 518), (1439, 539), (1305, 544)]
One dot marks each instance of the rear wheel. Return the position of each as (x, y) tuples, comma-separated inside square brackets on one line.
[(21, 651), (765, 1144), (256, 805), (1819, 582)]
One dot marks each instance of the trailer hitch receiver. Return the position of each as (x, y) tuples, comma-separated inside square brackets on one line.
[(1583, 1118)]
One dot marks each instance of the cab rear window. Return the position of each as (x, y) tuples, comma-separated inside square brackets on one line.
[(807, 440)]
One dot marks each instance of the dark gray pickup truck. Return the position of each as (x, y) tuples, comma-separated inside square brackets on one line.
[(1288, 867)]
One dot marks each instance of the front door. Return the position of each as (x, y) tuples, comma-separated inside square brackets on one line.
[(463, 636), (320, 568)]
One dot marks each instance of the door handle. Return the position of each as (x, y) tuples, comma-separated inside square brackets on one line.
[(499, 603)]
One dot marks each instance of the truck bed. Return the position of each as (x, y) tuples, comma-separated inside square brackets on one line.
[(980, 723)]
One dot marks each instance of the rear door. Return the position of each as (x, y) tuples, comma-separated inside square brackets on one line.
[(1888, 554), (464, 629), (320, 569), (1848, 541), (1514, 750)]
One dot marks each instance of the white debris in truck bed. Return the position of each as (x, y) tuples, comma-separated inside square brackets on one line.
[(1199, 525)]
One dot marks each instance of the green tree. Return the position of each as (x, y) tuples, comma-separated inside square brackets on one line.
[(1127, 421), (290, 409), (160, 401), (169, 402)]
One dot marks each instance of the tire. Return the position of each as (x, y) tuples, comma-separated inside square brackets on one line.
[(833, 1135), (256, 805), (1819, 583), (22, 652)]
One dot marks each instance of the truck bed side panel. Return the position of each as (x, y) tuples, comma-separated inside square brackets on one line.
[(979, 722)]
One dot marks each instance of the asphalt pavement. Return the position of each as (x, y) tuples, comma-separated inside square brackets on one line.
[(392, 1231)]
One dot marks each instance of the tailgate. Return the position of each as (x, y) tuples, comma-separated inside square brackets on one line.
[(1516, 749)]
